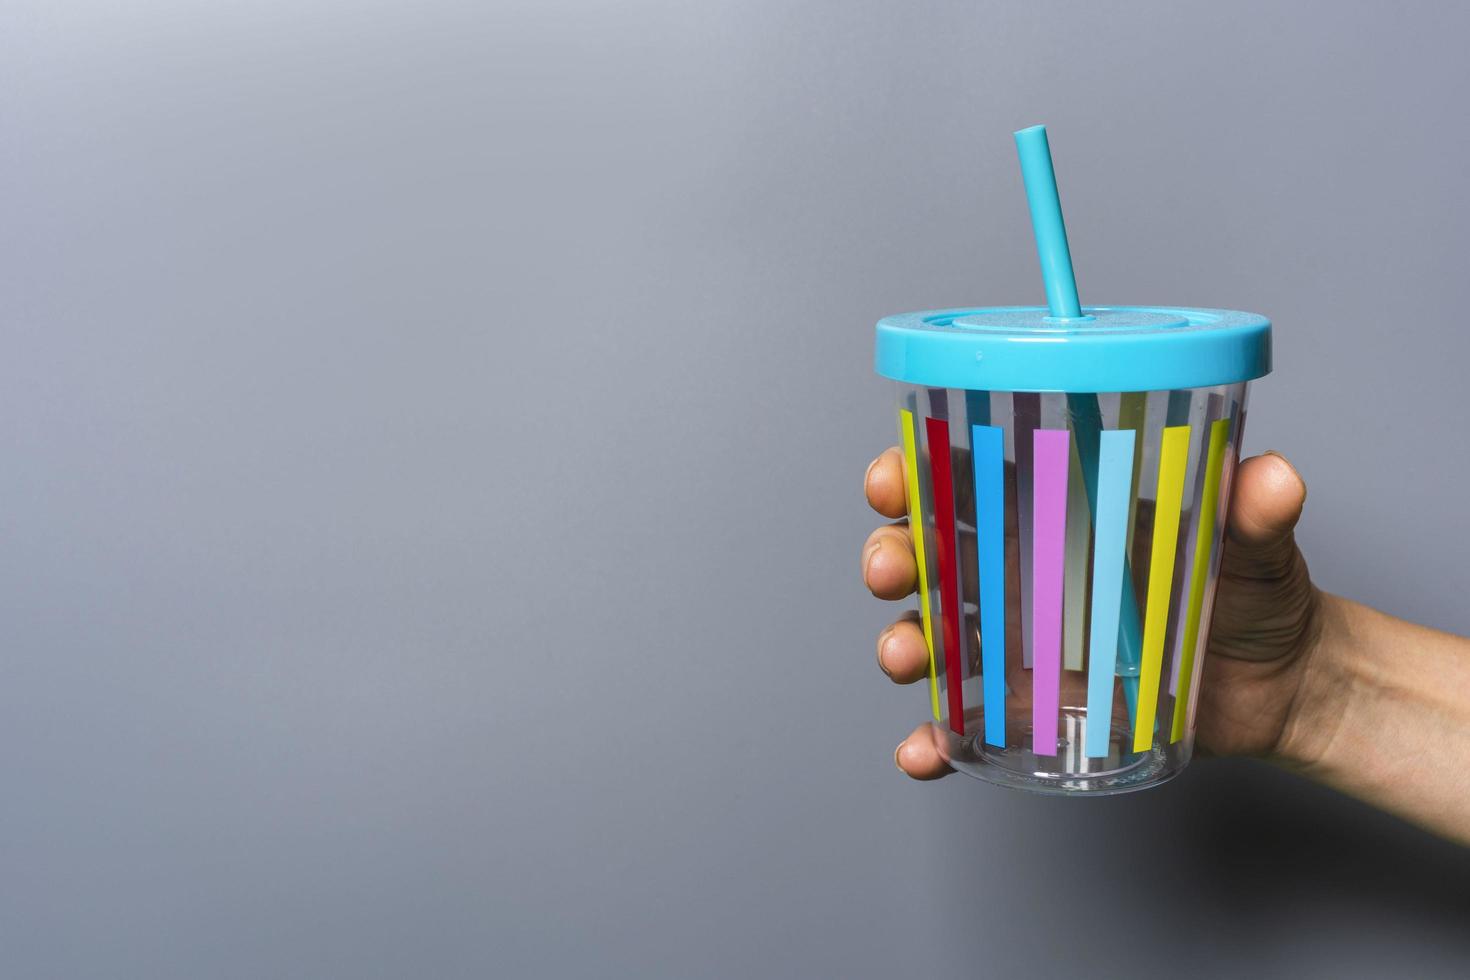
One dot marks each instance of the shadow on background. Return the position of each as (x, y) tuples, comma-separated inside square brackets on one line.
[(1233, 866), (1266, 840), (1251, 820)]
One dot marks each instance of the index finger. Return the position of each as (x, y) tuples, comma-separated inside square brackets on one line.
[(884, 484)]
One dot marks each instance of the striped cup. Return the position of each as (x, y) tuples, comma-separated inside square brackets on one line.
[(1068, 549)]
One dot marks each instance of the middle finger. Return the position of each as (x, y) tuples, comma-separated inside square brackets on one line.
[(889, 569)]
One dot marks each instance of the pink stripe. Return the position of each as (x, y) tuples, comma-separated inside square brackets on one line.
[(1049, 537)]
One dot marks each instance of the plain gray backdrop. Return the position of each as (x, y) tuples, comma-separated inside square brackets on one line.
[(432, 440)]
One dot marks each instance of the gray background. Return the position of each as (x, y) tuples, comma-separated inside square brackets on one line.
[(432, 439)]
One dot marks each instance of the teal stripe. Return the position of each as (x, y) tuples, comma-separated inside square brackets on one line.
[(977, 407)]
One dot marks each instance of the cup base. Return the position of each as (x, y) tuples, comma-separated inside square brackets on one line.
[(1070, 772)]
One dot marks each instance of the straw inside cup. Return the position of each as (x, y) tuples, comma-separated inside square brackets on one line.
[(1060, 282)]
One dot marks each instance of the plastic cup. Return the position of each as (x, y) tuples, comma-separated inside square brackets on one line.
[(1068, 479)]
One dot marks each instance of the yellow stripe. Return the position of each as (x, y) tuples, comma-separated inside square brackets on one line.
[(1204, 538), (907, 430), (1173, 458), (1132, 412)]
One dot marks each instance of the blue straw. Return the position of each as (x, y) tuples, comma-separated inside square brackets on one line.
[(1046, 221)]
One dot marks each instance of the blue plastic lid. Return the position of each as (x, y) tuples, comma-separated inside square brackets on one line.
[(1109, 348)]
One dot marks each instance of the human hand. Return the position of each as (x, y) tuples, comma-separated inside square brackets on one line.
[(1266, 623)]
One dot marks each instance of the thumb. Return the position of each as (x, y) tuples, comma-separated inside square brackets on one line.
[(1264, 508)]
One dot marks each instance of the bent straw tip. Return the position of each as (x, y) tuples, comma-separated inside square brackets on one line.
[(1030, 129)]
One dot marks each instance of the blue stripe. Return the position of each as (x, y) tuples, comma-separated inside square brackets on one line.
[(1114, 487), (988, 442)]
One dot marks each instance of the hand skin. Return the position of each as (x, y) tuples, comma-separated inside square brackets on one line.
[(1373, 706)]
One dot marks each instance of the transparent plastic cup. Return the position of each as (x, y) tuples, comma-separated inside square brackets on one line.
[(1070, 535)]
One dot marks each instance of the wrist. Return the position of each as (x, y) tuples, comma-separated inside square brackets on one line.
[(1382, 713), (1327, 685)]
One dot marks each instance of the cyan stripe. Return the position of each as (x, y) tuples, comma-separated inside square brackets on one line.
[(1087, 421), (1114, 488)]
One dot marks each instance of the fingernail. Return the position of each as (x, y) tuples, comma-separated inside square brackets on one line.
[(883, 639), (895, 759), (867, 473)]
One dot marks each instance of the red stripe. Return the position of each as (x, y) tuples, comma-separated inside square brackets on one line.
[(949, 582)]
